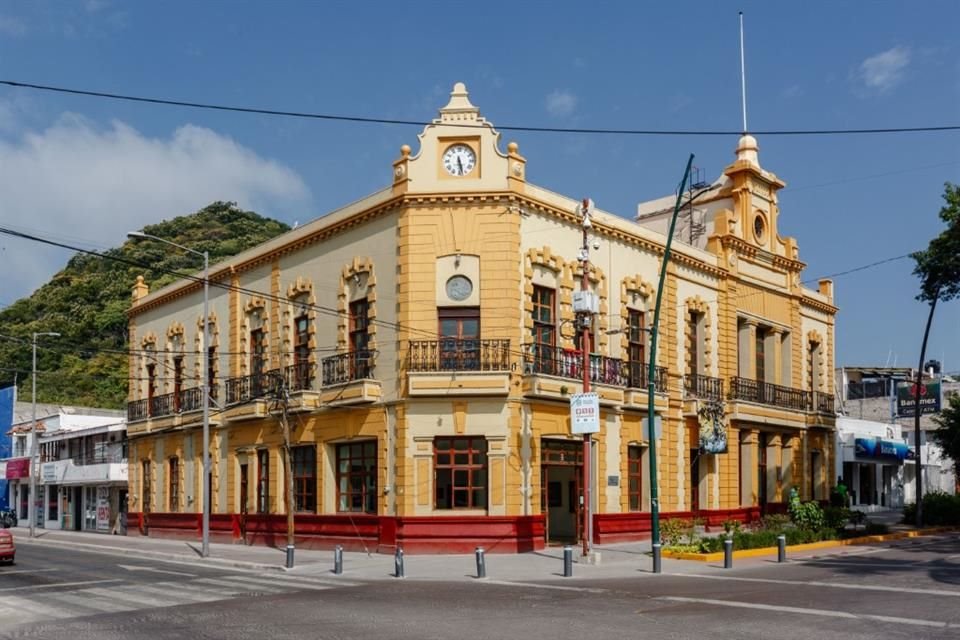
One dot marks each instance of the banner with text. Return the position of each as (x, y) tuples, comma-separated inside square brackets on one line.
[(907, 392)]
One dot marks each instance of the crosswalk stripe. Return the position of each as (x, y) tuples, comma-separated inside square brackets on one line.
[(135, 595), (37, 609), (243, 587), (279, 582), (197, 591), (93, 603)]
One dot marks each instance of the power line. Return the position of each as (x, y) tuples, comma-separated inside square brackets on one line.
[(422, 123)]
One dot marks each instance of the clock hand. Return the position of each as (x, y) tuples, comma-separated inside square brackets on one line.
[(460, 164)]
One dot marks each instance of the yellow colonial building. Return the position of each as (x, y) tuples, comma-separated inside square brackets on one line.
[(422, 343)]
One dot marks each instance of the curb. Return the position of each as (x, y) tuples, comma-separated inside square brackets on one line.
[(156, 555), (810, 546)]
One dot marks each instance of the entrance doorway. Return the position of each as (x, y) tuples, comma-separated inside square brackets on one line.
[(561, 469)]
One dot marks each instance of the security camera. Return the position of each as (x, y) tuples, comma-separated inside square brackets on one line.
[(596, 244)]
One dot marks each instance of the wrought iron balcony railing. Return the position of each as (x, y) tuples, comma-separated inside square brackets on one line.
[(162, 405), (246, 388), (697, 385), (823, 403), (769, 394), (637, 376), (347, 367), (137, 410), (192, 399), (568, 363), (299, 376), (451, 354)]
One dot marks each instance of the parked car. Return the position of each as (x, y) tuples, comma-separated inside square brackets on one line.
[(7, 548)]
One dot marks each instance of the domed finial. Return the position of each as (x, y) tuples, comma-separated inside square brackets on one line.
[(405, 150), (512, 147), (747, 149), (459, 100), (139, 280)]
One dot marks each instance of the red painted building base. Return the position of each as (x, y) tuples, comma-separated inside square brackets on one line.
[(422, 534)]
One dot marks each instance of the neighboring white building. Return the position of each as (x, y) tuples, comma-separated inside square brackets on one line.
[(869, 394), (870, 459), (82, 466)]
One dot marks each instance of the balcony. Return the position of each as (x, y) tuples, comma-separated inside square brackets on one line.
[(823, 403), (247, 396), (637, 393), (544, 364), (348, 379), (169, 404), (697, 385), (769, 394), (463, 367)]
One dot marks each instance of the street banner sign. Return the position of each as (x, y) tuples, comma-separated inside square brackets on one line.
[(907, 397), (585, 413)]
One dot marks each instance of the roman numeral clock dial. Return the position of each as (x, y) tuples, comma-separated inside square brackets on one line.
[(459, 160)]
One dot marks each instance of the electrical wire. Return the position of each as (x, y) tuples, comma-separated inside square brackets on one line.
[(420, 123), (324, 310)]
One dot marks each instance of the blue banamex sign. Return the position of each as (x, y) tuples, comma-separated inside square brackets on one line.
[(585, 413)]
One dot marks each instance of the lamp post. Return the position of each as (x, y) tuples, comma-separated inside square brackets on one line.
[(34, 440), (654, 333), (205, 545)]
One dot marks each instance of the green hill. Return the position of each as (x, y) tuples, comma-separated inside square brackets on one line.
[(86, 304)]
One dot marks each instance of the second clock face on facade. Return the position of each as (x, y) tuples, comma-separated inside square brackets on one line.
[(459, 288), (459, 160)]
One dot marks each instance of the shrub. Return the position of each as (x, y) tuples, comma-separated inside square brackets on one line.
[(673, 529), (835, 517), (774, 522), (807, 515), (941, 508), (938, 509), (731, 526)]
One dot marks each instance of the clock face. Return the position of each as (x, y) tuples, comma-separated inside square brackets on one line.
[(459, 288), (459, 160)]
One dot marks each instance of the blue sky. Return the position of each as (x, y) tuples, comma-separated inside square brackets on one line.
[(86, 171)]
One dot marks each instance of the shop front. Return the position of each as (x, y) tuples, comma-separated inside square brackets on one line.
[(871, 459)]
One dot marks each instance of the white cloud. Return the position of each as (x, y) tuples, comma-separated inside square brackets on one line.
[(87, 186), (12, 26), (884, 70), (561, 102), (793, 91)]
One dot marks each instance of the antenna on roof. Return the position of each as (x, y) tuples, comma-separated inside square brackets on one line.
[(743, 78)]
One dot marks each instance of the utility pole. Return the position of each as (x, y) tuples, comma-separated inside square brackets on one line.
[(585, 316), (283, 398), (35, 440), (918, 463)]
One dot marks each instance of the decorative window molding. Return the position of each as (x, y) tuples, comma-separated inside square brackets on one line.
[(636, 294), (698, 306), (816, 376), (200, 349), (567, 281), (254, 317), (357, 281), (302, 301)]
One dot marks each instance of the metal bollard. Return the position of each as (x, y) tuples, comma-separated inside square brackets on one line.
[(481, 563), (728, 554), (338, 560), (398, 563), (568, 561), (656, 557), (289, 556), (781, 548)]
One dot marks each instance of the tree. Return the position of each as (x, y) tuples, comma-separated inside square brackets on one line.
[(947, 436), (938, 268)]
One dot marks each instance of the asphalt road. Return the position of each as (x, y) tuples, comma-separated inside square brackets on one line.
[(900, 590)]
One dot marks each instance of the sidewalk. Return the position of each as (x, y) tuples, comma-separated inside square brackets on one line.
[(617, 560), (621, 560)]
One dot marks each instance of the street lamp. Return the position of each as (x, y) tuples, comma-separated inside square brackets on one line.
[(139, 235), (34, 440), (651, 385)]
